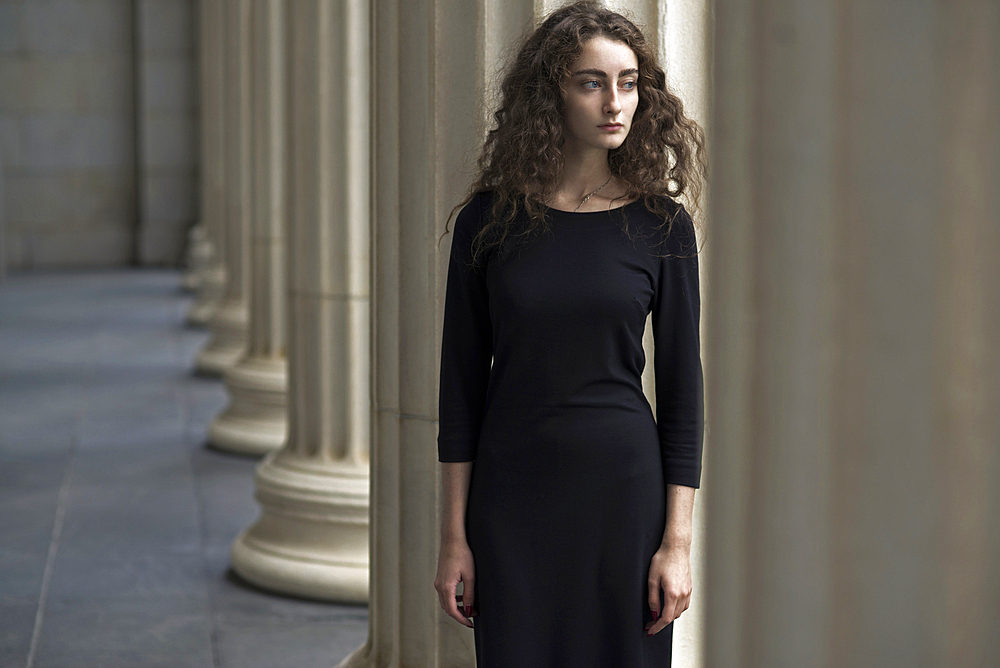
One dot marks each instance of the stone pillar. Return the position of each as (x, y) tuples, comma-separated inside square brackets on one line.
[(312, 537), (855, 310), (256, 420), (430, 74), (206, 272), (429, 88), (229, 322), (683, 30)]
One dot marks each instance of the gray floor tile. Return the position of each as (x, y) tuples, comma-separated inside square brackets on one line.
[(238, 602), (168, 633), (17, 621), (31, 474), (26, 533), (91, 577), (225, 486), (130, 519), (289, 645)]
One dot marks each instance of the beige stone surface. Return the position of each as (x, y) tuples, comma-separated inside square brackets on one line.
[(206, 264), (312, 535), (231, 319), (854, 314), (256, 420), (67, 98), (166, 26), (76, 26), (69, 200)]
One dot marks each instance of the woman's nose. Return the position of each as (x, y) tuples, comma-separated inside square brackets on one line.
[(613, 104)]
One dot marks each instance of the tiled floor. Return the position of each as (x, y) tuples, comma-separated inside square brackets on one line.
[(115, 518)]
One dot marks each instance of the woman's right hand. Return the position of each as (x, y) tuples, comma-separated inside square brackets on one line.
[(455, 564)]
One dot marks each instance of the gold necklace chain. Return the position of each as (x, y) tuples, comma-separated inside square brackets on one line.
[(585, 199)]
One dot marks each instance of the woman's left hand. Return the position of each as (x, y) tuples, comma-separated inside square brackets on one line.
[(669, 570)]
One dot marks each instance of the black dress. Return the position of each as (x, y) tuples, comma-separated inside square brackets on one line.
[(566, 505)]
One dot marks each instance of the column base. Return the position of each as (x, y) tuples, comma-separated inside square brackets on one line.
[(362, 657), (213, 283), (256, 420), (199, 254), (229, 339), (312, 536)]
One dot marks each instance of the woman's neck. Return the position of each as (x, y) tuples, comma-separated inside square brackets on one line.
[(582, 173)]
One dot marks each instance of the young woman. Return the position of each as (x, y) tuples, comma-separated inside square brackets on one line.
[(567, 507)]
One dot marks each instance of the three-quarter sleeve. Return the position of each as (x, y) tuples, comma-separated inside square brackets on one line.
[(677, 356), (466, 344)]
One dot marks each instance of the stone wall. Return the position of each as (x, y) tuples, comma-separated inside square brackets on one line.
[(72, 76)]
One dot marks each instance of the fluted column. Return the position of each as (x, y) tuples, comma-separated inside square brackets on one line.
[(429, 87), (429, 73), (312, 536), (855, 318), (683, 30), (207, 272), (256, 420), (229, 322), (198, 252)]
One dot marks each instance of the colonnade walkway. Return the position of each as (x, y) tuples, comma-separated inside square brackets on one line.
[(115, 519)]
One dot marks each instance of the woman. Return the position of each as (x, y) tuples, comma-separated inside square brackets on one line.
[(566, 507)]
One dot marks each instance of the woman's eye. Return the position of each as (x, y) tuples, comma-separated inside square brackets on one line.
[(629, 85), (586, 84)]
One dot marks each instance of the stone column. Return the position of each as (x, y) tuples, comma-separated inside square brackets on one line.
[(206, 272), (229, 322), (425, 102), (430, 74), (256, 420), (683, 30), (855, 318), (312, 537)]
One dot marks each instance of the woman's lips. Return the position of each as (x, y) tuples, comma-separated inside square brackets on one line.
[(611, 127)]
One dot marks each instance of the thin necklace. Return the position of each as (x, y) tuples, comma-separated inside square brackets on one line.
[(585, 199)]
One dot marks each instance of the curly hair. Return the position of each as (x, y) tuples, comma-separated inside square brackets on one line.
[(662, 157)]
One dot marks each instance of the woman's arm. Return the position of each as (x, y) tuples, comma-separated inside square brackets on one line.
[(466, 355), (670, 567), (680, 507), (455, 477), (455, 562), (679, 419)]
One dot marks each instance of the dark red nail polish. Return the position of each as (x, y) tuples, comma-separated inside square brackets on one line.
[(656, 615), (465, 609)]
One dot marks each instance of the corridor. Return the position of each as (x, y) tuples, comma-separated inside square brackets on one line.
[(115, 518)]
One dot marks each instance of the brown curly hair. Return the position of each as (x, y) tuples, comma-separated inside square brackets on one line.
[(662, 157)]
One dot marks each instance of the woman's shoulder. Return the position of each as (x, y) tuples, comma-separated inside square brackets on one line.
[(668, 222), (667, 211), (471, 218)]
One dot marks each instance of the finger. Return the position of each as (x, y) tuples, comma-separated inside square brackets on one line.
[(654, 599), (668, 617), (683, 602), (670, 602), (469, 595), (658, 625), (451, 606)]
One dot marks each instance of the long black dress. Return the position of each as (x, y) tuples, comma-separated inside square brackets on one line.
[(566, 505)]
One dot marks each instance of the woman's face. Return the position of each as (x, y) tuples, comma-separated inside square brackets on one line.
[(600, 94)]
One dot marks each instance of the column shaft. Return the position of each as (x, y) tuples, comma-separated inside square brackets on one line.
[(312, 537), (229, 322), (208, 247), (854, 394), (428, 89), (256, 420)]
